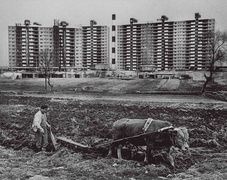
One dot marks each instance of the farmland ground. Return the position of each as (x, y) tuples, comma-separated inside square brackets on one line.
[(88, 120)]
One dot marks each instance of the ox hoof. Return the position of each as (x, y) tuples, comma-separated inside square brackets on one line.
[(109, 156), (120, 160)]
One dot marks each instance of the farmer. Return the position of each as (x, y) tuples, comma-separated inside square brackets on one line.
[(39, 126)]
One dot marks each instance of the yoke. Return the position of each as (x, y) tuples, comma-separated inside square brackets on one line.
[(64, 139), (137, 136)]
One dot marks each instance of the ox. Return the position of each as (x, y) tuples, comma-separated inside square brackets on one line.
[(154, 134)]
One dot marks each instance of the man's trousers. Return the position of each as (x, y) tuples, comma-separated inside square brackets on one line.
[(41, 139)]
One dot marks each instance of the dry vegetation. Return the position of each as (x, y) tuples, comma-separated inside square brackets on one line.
[(114, 86)]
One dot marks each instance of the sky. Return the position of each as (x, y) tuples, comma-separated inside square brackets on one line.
[(80, 12)]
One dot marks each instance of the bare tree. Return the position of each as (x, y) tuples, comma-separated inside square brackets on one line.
[(217, 48), (45, 61)]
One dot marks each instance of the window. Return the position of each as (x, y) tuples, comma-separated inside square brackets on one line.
[(113, 61), (113, 39), (113, 28)]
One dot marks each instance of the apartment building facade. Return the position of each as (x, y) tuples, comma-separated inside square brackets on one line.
[(23, 45), (95, 46), (67, 46), (12, 46), (166, 45), (26, 42), (134, 46), (71, 48)]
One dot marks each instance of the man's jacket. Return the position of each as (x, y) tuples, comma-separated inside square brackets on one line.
[(38, 118)]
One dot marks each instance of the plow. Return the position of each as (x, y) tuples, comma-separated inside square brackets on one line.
[(63, 141)]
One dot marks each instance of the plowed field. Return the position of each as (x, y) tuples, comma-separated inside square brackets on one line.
[(89, 122)]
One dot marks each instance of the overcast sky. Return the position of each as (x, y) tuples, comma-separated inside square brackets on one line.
[(77, 12)]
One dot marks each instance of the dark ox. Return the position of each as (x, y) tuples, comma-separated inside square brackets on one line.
[(158, 135)]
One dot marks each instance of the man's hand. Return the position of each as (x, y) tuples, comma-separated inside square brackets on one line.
[(42, 130)]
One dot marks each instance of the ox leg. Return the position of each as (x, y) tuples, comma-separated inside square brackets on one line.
[(146, 155), (119, 147), (145, 158), (149, 155), (112, 146), (110, 151), (119, 156), (170, 158)]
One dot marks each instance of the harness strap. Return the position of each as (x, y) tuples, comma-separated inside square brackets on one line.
[(125, 128), (147, 124)]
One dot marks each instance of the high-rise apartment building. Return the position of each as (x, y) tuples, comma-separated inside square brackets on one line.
[(95, 45), (133, 46), (165, 45), (12, 46), (26, 42), (67, 46), (77, 48), (23, 45), (45, 43)]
